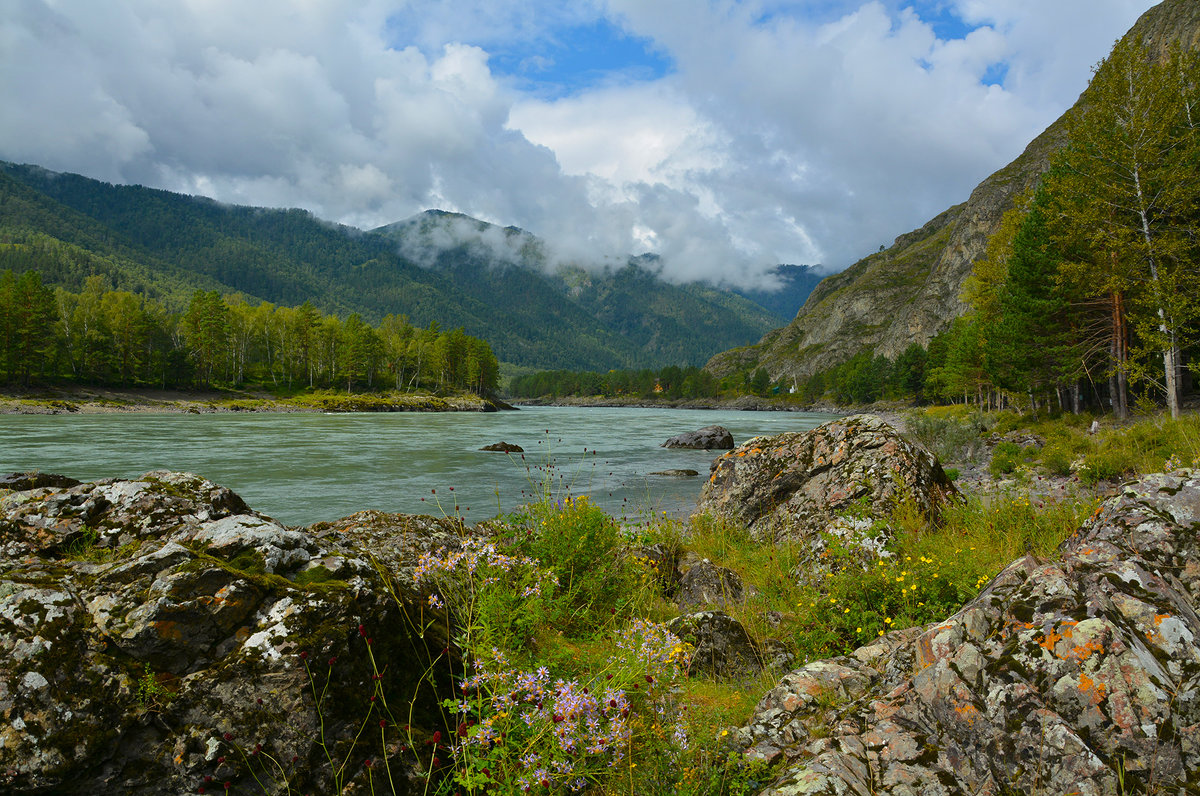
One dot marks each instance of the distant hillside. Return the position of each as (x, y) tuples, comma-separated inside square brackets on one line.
[(798, 282), (167, 245), (911, 291)]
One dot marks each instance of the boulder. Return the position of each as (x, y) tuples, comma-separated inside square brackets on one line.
[(795, 484), (1073, 676), (677, 473), (707, 438), (503, 447), (723, 648), (156, 635), (705, 583)]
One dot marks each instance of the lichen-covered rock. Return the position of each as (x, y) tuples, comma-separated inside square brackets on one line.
[(707, 438), (723, 648), (157, 632), (794, 484), (1079, 676), (705, 583)]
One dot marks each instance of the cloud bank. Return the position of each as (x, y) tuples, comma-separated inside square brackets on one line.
[(732, 135)]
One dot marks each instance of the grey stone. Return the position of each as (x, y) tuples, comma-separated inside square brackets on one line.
[(707, 438)]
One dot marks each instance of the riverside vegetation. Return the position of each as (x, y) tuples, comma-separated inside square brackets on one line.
[(539, 652), (569, 681)]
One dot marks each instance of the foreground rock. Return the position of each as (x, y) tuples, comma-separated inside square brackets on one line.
[(795, 484), (157, 633), (707, 438), (1081, 676), (723, 648)]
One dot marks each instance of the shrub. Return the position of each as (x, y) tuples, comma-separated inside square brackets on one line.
[(951, 438), (581, 545), (1005, 458), (1057, 457)]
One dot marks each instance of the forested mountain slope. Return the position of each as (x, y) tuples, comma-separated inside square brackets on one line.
[(167, 245)]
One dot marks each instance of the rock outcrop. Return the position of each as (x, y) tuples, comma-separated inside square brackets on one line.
[(1075, 676), (157, 636), (706, 584), (707, 438), (795, 484)]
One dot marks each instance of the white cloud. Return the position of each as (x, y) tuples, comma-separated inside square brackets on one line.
[(787, 131)]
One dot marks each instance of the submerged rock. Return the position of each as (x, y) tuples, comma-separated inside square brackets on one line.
[(795, 484), (707, 438), (1077, 676), (155, 632)]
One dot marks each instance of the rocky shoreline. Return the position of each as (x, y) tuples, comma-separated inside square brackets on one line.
[(63, 400)]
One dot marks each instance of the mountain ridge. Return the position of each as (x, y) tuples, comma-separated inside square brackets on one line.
[(166, 245)]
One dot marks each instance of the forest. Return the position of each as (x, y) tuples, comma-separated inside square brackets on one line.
[(102, 336)]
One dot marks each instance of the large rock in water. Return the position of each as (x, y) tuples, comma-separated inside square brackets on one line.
[(1078, 676), (707, 438), (156, 632), (794, 484)]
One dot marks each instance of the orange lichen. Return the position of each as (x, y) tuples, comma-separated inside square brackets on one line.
[(968, 713), (1084, 651), (1089, 686), (168, 629)]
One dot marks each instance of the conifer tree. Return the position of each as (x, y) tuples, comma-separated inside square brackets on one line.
[(1125, 186)]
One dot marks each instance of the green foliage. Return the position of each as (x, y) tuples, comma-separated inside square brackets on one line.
[(1006, 457), (151, 693), (581, 545), (952, 437), (1123, 195), (853, 606), (166, 246), (669, 383)]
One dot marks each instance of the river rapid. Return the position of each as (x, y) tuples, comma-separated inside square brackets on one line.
[(304, 468)]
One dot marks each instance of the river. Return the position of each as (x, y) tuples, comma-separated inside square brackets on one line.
[(303, 468)]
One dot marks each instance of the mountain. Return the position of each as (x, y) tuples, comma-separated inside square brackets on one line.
[(911, 291), (796, 284), (437, 267)]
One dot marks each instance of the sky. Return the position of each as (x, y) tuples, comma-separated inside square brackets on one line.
[(724, 135)]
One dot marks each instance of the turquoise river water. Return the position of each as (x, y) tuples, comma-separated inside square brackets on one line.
[(302, 468)]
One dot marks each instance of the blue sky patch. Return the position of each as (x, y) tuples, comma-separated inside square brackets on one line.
[(940, 16), (578, 58)]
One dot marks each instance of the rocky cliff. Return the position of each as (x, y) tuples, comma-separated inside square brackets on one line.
[(910, 292)]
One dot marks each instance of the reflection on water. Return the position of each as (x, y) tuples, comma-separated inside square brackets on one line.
[(301, 468)]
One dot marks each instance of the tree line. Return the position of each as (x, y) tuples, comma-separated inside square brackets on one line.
[(119, 338), (669, 382)]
